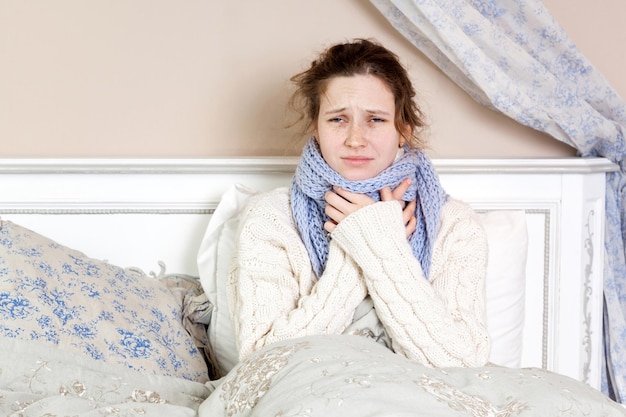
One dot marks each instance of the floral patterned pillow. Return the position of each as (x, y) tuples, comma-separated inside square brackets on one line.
[(59, 297)]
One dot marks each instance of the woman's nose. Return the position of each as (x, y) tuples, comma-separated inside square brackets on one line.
[(355, 136)]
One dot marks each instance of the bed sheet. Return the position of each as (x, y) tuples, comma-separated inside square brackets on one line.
[(352, 376)]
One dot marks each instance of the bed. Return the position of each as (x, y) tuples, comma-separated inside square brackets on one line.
[(112, 302)]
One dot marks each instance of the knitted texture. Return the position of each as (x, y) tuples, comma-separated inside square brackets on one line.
[(274, 295), (314, 177)]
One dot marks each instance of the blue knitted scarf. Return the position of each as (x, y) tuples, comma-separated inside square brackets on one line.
[(313, 177)]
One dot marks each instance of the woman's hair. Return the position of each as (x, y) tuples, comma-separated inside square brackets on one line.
[(359, 57)]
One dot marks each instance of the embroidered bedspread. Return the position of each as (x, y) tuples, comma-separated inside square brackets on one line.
[(38, 381), (345, 376), (352, 376)]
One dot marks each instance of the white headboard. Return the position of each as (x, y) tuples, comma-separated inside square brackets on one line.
[(136, 212)]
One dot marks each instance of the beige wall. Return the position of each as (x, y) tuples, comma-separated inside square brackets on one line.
[(168, 78)]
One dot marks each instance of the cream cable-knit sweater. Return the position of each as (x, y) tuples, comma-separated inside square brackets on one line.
[(274, 294)]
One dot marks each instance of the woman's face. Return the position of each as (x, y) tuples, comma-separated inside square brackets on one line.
[(355, 128)]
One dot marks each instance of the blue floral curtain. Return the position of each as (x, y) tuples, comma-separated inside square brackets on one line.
[(513, 57)]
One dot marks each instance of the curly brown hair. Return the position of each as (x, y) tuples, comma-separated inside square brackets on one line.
[(358, 57)]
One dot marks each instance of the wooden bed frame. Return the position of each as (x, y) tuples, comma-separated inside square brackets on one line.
[(152, 214)]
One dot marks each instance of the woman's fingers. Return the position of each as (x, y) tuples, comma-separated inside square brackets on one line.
[(342, 203), (408, 209), (408, 215), (355, 199), (329, 226), (386, 194), (410, 227), (334, 213), (402, 188)]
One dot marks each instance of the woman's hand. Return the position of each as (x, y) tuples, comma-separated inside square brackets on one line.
[(408, 208), (342, 203)]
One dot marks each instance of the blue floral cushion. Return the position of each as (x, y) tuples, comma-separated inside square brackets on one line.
[(54, 295)]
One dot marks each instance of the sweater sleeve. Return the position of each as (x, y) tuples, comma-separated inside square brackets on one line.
[(440, 321), (273, 292)]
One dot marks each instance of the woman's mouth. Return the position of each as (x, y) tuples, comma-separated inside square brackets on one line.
[(356, 160)]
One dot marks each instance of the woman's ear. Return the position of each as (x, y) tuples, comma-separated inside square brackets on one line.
[(405, 134)]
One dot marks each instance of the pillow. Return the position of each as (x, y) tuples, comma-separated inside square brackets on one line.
[(214, 256), (506, 270), (59, 298), (505, 285)]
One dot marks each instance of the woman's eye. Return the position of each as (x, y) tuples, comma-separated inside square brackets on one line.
[(377, 119), (337, 120)]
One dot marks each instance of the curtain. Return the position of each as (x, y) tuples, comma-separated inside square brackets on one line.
[(513, 57)]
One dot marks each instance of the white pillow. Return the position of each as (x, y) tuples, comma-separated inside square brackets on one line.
[(214, 255), (507, 237), (505, 283)]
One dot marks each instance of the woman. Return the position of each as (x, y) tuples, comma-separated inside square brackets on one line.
[(366, 241)]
